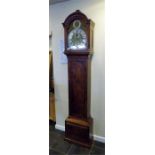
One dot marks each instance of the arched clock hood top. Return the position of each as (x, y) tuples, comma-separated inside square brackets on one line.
[(77, 15)]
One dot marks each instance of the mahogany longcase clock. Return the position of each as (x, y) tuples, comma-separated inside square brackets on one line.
[(78, 33)]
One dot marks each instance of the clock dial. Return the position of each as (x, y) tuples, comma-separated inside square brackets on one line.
[(77, 38)]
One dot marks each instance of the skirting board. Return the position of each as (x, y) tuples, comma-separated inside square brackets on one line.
[(96, 137)]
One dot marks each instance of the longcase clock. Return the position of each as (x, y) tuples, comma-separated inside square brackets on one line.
[(78, 33)]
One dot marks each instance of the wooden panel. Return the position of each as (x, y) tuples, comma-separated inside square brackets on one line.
[(50, 58), (72, 120), (51, 107), (78, 87), (51, 81), (77, 132)]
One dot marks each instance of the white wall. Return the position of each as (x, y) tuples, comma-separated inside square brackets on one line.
[(94, 9)]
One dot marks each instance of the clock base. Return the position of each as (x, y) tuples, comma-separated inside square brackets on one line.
[(79, 131), (88, 145)]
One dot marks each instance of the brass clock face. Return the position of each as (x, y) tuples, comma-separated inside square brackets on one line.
[(77, 38)]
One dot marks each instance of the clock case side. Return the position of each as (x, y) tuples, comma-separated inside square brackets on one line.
[(78, 15)]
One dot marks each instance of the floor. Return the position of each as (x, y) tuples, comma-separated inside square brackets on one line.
[(57, 145)]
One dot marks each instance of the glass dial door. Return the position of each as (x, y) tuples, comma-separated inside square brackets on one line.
[(77, 38)]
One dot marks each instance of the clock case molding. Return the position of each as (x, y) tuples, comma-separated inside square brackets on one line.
[(79, 124)]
